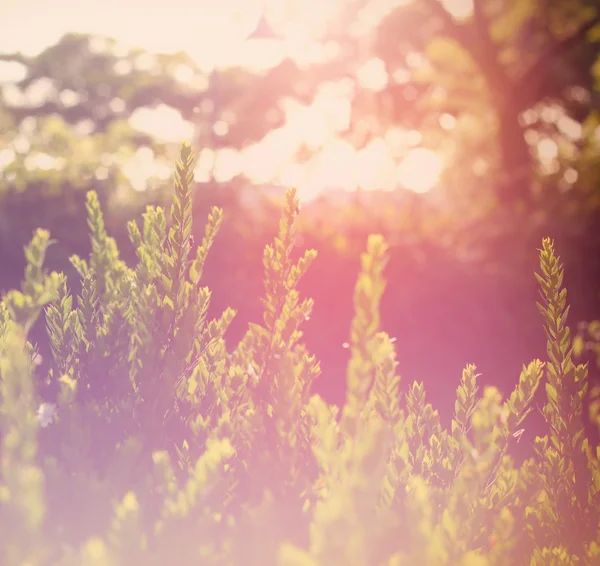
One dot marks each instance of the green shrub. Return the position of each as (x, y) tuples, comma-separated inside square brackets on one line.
[(163, 447)]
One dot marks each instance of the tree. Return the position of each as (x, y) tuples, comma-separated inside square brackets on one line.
[(497, 67), (65, 127)]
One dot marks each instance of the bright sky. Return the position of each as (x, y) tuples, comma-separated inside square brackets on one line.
[(213, 34)]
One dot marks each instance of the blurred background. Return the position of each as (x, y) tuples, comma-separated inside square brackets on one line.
[(462, 130)]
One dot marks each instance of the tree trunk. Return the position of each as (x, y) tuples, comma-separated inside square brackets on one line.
[(515, 183)]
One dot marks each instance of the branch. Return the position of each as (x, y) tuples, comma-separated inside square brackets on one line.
[(479, 16), (531, 79), (453, 29), (488, 54), (15, 58), (476, 40)]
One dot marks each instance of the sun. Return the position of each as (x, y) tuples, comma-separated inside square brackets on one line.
[(215, 35)]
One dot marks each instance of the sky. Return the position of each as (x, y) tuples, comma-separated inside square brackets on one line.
[(214, 33)]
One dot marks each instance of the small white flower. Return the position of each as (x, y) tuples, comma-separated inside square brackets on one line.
[(46, 413)]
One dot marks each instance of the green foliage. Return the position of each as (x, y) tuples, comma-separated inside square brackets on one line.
[(568, 473), (161, 446)]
